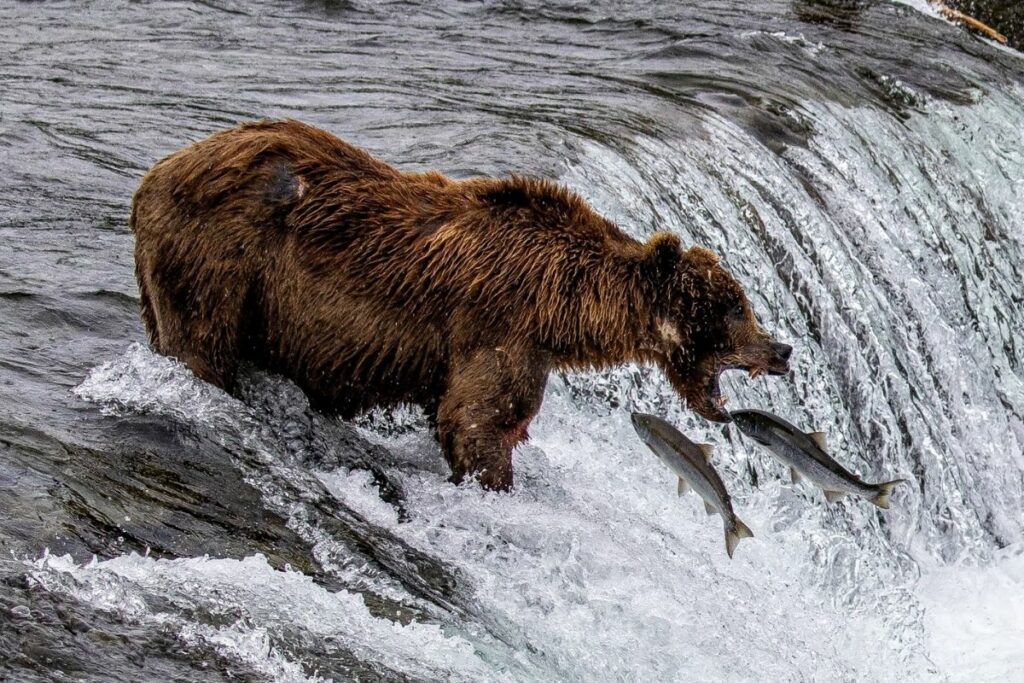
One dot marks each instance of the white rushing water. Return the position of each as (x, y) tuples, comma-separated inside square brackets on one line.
[(897, 278), (593, 569)]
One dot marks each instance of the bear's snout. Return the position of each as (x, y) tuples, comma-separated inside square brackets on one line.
[(781, 353)]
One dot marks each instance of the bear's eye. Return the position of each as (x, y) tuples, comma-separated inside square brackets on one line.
[(738, 311)]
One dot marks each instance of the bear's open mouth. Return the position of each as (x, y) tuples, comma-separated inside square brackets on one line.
[(710, 402), (775, 365), (716, 400)]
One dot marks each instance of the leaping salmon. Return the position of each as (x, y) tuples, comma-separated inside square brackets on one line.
[(691, 463), (805, 454)]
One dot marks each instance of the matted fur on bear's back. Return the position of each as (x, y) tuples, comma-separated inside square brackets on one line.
[(280, 243)]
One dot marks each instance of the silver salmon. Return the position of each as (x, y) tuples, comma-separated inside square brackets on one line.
[(805, 454), (691, 463)]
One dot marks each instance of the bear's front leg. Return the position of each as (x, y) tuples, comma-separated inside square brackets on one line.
[(492, 395)]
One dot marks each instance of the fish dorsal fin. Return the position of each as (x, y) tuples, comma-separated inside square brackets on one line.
[(794, 475), (707, 449), (818, 438), (833, 496), (682, 487), (709, 508)]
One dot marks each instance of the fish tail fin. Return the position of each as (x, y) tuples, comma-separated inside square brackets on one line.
[(742, 530), (733, 536), (881, 499)]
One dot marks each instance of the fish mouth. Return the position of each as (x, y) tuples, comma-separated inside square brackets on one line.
[(641, 423)]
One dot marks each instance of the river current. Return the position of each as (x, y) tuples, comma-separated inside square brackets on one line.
[(857, 164)]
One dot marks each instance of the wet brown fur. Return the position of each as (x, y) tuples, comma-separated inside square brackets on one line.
[(280, 244)]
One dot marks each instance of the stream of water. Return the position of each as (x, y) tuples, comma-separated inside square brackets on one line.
[(857, 164)]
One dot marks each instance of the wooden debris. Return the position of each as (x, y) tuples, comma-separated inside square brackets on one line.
[(967, 20)]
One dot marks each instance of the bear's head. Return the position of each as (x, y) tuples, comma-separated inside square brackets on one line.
[(704, 325)]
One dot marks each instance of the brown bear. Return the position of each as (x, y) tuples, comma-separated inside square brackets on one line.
[(279, 244)]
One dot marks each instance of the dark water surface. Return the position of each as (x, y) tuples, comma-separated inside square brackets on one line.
[(858, 165)]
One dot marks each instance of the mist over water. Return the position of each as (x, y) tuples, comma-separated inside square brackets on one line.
[(857, 165)]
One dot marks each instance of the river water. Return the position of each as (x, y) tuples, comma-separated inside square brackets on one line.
[(857, 164)]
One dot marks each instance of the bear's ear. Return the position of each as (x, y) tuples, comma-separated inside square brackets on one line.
[(662, 254), (699, 257)]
